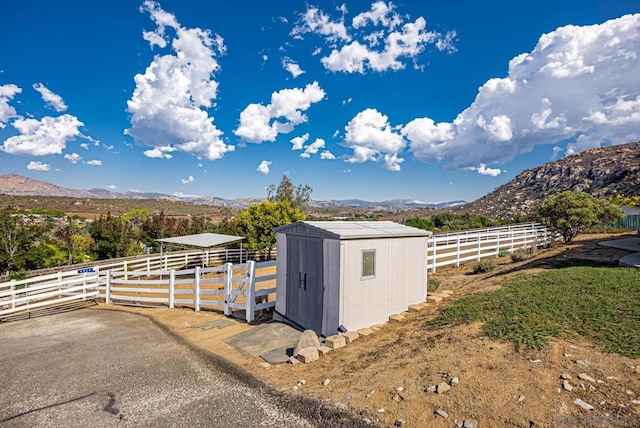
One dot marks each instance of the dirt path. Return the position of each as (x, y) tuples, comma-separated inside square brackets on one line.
[(383, 377)]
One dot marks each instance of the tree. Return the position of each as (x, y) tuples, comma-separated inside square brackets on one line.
[(14, 238), (66, 235), (257, 222), (112, 237), (297, 196), (572, 212)]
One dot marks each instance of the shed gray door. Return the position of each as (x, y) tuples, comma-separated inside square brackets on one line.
[(305, 282)]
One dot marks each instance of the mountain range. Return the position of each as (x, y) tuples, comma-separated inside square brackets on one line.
[(18, 185)]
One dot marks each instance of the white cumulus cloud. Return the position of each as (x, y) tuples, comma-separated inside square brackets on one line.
[(7, 92), (372, 138), (257, 122), (94, 162), (169, 104), (160, 152), (579, 83), (327, 155), (47, 136), (264, 167), (187, 180), (38, 166), (298, 142), (312, 148), (377, 40), (52, 100), (73, 157), (292, 67), (483, 170)]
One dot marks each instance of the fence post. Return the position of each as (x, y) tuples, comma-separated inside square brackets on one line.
[(479, 249), (196, 298), (458, 251), (433, 268), (148, 264), (107, 297), (172, 286), (251, 291), (228, 273)]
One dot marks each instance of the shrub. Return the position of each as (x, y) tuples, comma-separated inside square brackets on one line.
[(484, 266), (522, 254), (504, 252)]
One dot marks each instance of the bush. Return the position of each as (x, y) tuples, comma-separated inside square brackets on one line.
[(432, 284), (522, 254), (484, 266), (504, 252)]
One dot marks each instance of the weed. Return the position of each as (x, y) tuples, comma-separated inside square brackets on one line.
[(504, 252), (484, 266), (432, 284), (521, 255)]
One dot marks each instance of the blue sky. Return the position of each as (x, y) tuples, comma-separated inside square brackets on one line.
[(433, 101)]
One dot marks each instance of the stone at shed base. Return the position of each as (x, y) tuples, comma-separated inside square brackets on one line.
[(376, 327), (324, 350), (308, 339), (449, 292), (396, 318), (365, 332), (294, 360), (433, 298), (308, 355), (415, 308), (350, 336), (335, 342)]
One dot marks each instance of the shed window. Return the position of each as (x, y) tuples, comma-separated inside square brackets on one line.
[(368, 264)]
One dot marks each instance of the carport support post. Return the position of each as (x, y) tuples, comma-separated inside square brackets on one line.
[(227, 289), (251, 290), (196, 297), (172, 287), (107, 297)]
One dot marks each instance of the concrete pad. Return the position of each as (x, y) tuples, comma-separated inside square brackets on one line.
[(221, 323), (365, 331), (433, 298), (278, 356), (396, 318), (335, 342), (629, 244), (264, 338), (350, 336)]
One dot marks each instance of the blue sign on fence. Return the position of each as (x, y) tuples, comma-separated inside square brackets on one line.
[(86, 270)]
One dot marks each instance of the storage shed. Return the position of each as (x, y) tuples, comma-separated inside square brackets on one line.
[(348, 274)]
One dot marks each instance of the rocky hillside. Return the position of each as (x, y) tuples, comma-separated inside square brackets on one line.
[(602, 172)]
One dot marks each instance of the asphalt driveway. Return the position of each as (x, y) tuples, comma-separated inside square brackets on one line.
[(103, 368)]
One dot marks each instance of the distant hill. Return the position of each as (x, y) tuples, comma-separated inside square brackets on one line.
[(602, 172), (18, 185)]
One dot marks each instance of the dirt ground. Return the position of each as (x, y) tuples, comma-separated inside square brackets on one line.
[(383, 377)]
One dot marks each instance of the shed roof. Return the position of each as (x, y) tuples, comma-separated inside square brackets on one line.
[(355, 229), (202, 240)]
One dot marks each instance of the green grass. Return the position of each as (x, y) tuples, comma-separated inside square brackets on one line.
[(432, 284), (599, 303)]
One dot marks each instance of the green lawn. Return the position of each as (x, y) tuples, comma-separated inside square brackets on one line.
[(600, 303)]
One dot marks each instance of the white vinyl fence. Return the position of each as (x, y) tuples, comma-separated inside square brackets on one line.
[(473, 245), (225, 287)]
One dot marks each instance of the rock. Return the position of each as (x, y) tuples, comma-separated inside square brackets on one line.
[(324, 350), (308, 355), (584, 376), (567, 386), (302, 382), (400, 389), (295, 387), (380, 410), (308, 339), (350, 336), (294, 360), (458, 423), (264, 365), (582, 362), (396, 318), (538, 360), (399, 422), (448, 292), (434, 299), (442, 387), (369, 394), (335, 342), (612, 378), (376, 327), (431, 388), (397, 398), (366, 421), (583, 404), (326, 382), (521, 399), (565, 376), (415, 308), (470, 424), (454, 381), (442, 413), (365, 331), (629, 392)]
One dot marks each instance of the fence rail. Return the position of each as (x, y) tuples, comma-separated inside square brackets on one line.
[(458, 247)]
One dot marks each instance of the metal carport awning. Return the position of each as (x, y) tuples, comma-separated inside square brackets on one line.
[(203, 240)]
